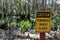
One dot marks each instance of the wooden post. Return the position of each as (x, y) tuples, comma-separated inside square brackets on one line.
[(42, 36)]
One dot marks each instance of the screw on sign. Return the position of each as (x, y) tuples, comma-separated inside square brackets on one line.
[(42, 23)]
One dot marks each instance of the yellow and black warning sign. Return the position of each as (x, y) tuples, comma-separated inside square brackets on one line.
[(42, 21)]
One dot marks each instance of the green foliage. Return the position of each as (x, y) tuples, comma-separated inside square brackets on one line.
[(55, 22), (2, 21), (24, 25), (22, 2), (13, 24)]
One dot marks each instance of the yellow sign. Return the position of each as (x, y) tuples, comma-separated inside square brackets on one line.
[(42, 21)]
